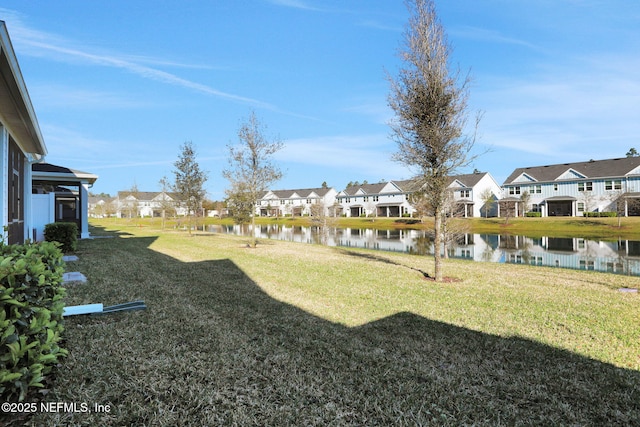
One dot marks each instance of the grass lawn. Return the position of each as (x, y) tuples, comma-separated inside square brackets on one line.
[(294, 334)]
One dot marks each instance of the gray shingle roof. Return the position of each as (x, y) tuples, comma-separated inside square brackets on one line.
[(303, 192), (468, 180), (591, 169)]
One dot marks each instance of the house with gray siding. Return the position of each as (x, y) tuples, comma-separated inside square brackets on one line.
[(572, 189)]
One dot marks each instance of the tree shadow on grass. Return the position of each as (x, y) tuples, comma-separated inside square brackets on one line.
[(214, 349)]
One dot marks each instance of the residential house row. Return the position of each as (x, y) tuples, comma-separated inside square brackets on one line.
[(131, 204), (567, 189), (385, 199), (573, 189)]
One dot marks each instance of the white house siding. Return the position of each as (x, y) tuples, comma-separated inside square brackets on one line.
[(145, 204), (468, 190), (296, 202), (386, 199)]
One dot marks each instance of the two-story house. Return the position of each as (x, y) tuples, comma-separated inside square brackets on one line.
[(384, 199), (299, 202), (476, 194), (131, 204), (570, 189)]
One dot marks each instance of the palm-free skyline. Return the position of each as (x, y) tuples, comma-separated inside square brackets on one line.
[(117, 87)]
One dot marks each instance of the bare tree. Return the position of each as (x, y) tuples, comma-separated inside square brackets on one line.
[(166, 203), (189, 181), (525, 199), (453, 227), (133, 204), (589, 201), (430, 103), (488, 199), (251, 169)]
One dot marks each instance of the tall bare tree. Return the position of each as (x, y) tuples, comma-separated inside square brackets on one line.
[(166, 203), (525, 200), (429, 99), (251, 169), (189, 181), (488, 200)]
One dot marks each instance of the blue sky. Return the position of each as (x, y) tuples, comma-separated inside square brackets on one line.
[(118, 86)]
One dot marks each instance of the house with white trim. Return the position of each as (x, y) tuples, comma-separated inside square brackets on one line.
[(571, 189), (60, 194), (297, 202), (130, 204), (468, 193), (102, 207), (384, 199), (393, 199), (21, 145)]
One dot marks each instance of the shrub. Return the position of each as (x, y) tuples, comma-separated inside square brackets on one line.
[(533, 214), (30, 316), (600, 214), (65, 233)]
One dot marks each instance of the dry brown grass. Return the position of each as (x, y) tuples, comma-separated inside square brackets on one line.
[(293, 334)]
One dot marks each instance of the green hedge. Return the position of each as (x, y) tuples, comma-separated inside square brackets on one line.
[(533, 214), (31, 308), (65, 233), (600, 214)]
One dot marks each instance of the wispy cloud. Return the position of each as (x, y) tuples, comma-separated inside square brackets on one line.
[(296, 4), (37, 43), (365, 154), (55, 96), (584, 108), (485, 35)]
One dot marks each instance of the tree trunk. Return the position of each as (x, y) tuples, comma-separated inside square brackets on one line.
[(437, 243)]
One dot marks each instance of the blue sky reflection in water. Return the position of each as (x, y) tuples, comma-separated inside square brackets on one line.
[(620, 257)]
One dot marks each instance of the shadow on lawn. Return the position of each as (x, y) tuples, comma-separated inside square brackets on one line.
[(221, 351)]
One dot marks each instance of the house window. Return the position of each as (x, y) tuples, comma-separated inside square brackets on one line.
[(555, 187), (465, 193), (375, 198), (514, 190), (536, 189), (613, 185), (580, 207), (585, 186), (366, 198)]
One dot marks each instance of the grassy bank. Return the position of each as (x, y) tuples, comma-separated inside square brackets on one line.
[(292, 334), (592, 228)]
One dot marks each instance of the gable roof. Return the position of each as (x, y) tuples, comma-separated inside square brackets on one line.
[(145, 195), (367, 188), (467, 180), (608, 168), (301, 193)]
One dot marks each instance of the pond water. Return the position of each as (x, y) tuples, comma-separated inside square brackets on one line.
[(620, 256)]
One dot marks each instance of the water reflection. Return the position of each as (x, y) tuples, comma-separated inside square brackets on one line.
[(621, 256)]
